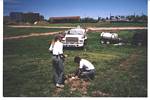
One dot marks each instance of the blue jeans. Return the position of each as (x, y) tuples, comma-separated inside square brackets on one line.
[(58, 67)]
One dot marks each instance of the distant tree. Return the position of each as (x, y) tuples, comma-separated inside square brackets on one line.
[(107, 18), (144, 18), (117, 18), (99, 18), (131, 17), (88, 20), (137, 18), (103, 19)]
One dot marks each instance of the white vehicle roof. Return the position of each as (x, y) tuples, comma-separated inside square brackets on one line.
[(77, 31)]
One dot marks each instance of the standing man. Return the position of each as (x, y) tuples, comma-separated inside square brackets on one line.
[(86, 69), (58, 61)]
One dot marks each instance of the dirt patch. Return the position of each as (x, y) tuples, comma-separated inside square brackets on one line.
[(77, 84), (99, 94), (131, 60), (57, 91)]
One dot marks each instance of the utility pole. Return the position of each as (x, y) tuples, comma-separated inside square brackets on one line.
[(110, 16), (134, 14)]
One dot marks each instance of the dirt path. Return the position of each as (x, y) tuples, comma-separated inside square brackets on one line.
[(30, 35), (23, 26), (89, 28), (51, 33), (115, 28)]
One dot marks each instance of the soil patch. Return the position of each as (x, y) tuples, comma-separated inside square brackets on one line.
[(75, 84), (131, 60)]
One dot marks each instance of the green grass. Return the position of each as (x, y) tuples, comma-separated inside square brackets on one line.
[(101, 24), (27, 68), (11, 31)]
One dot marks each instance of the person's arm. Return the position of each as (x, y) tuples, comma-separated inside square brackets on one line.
[(77, 72), (60, 48), (81, 64), (51, 46)]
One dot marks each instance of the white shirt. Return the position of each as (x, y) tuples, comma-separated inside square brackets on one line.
[(85, 63), (57, 48)]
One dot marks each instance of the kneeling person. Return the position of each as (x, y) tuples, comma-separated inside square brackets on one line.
[(86, 69)]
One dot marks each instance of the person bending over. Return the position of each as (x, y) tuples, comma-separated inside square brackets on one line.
[(86, 69)]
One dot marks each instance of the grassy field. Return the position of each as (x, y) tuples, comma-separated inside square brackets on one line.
[(101, 24), (9, 31), (121, 71)]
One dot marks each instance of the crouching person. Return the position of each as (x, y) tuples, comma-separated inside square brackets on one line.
[(86, 69)]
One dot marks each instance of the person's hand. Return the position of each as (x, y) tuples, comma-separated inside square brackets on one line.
[(50, 51), (76, 77), (66, 55), (73, 77)]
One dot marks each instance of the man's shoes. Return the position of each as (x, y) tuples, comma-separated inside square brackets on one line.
[(59, 85)]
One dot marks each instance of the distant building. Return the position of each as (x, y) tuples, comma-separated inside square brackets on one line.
[(6, 19), (64, 19), (16, 16), (32, 17), (25, 17)]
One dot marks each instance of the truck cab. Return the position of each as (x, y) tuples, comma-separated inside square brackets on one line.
[(75, 37)]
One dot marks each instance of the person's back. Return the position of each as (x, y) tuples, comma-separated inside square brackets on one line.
[(58, 48), (86, 69), (88, 65)]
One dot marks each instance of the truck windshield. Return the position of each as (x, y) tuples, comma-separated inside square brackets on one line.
[(76, 32)]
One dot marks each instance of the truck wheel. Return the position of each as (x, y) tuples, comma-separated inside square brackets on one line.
[(85, 42), (102, 42), (107, 42), (139, 43)]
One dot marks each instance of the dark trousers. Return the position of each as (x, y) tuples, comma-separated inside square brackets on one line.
[(85, 74), (88, 74), (58, 67)]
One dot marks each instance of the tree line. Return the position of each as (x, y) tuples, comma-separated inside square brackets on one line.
[(32, 19)]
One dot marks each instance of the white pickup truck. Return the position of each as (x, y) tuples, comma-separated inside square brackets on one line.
[(75, 37)]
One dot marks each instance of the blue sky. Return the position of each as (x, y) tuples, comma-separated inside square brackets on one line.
[(83, 8)]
